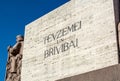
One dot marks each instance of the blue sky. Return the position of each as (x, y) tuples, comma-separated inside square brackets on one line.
[(14, 15)]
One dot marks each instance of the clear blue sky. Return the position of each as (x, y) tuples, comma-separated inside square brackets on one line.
[(14, 15)]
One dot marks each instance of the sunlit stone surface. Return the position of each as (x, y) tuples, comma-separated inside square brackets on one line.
[(76, 38)]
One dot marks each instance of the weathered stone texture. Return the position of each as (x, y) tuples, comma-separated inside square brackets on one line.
[(97, 46), (111, 73)]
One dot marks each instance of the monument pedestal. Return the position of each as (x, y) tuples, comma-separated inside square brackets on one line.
[(78, 37), (111, 73)]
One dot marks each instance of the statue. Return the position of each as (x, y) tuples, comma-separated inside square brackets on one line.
[(13, 70)]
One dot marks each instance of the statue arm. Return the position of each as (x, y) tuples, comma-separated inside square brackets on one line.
[(17, 46), (15, 49)]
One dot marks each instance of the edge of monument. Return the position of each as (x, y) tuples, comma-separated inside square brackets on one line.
[(106, 74), (45, 15)]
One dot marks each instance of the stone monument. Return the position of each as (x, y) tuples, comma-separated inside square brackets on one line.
[(78, 41), (13, 70), (74, 39)]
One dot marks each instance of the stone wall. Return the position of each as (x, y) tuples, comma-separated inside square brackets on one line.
[(76, 38), (111, 73)]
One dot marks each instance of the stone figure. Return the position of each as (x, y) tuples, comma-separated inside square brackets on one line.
[(13, 70)]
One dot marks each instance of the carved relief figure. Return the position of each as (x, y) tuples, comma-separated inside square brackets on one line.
[(13, 70)]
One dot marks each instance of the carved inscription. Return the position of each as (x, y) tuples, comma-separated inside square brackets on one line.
[(62, 48), (60, 33), (62, 43)]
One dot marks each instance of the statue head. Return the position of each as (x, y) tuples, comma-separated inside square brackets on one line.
[(19, 38)]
